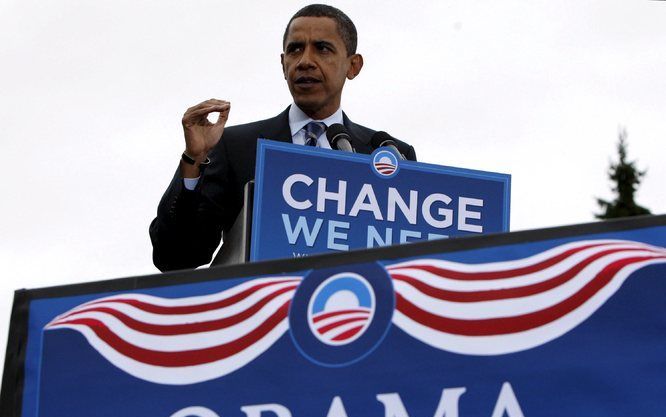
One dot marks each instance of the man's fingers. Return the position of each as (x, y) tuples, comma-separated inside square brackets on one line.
[(207, 103), (198, 115), (222, 118), (197, 112), (207, 108), (216, 101)]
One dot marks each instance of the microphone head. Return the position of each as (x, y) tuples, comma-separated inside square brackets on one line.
[(381, 138), (335, 132)]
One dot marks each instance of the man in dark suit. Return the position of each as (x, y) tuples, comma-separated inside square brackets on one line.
[(205, 195)]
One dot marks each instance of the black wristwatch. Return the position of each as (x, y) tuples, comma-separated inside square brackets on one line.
[(189, 160)]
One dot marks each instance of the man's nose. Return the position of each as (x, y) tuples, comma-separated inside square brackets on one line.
[(307, 59)]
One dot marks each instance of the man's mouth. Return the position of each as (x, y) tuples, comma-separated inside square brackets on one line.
[(306, 81)]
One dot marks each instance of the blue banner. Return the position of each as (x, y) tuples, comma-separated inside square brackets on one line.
[(312, 200), (565, 326)]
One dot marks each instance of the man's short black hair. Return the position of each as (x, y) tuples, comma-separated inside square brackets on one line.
[(345, 25)]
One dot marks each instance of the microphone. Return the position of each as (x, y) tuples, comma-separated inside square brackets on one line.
[(339, 138), (380, 139)]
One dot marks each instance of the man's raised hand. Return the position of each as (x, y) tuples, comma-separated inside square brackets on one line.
[(200, 134)]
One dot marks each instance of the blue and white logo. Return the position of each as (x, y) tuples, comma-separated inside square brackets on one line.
[(385, 163), (340, 315), (341, 309)]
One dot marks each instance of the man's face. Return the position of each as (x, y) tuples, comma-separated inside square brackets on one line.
[(315, 65)]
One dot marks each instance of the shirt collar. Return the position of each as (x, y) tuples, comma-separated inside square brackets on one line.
[(298, 119)]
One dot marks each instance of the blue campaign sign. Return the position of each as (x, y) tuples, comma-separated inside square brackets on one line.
[(313, 200), (569, 325)]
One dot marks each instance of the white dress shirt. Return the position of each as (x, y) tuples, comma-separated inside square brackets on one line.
[(298, 120)]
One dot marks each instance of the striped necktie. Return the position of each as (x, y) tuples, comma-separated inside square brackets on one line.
[(312, 131)]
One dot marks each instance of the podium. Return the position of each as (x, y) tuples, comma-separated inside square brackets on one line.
[(551, 322), (236, 244), (310, 200)]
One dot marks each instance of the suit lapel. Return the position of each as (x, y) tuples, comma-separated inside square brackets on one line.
[(360, 137), (277, 128)]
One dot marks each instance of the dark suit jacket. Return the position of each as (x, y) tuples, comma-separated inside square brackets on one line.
[(189, 224)]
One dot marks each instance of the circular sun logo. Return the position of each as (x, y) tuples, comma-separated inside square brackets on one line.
[(341, 309)]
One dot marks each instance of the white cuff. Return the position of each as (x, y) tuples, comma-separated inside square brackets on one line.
[(191, 183)]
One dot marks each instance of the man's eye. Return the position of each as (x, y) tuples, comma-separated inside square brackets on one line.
[(324, 48)]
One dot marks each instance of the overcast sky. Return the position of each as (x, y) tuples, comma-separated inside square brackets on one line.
[(92, 92)]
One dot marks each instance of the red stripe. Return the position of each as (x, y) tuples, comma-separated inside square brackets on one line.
[(337, 313), (486, 275), (384, 165), (515, 324), (187, 357), (188, 328), (197, 308), (348, 334), (336, 324), (506, 293)]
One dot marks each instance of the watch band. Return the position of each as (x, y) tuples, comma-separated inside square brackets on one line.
[(188, 159)]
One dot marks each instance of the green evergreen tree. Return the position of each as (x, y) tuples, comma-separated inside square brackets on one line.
[(626, 178)]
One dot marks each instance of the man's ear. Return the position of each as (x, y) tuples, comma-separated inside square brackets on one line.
[(284, 70), (355, 67)]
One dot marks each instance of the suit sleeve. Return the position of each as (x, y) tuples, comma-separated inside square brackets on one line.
[(189, 224), (411, 154), (407, 150)]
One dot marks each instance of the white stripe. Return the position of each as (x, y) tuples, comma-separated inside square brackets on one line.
[(322, 324), (332, 334), (197, 299), (515, 342), (174, 343), (165, 319), (335, 319), (517, 263), (512, 282), (187, 374), (512, 306)]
